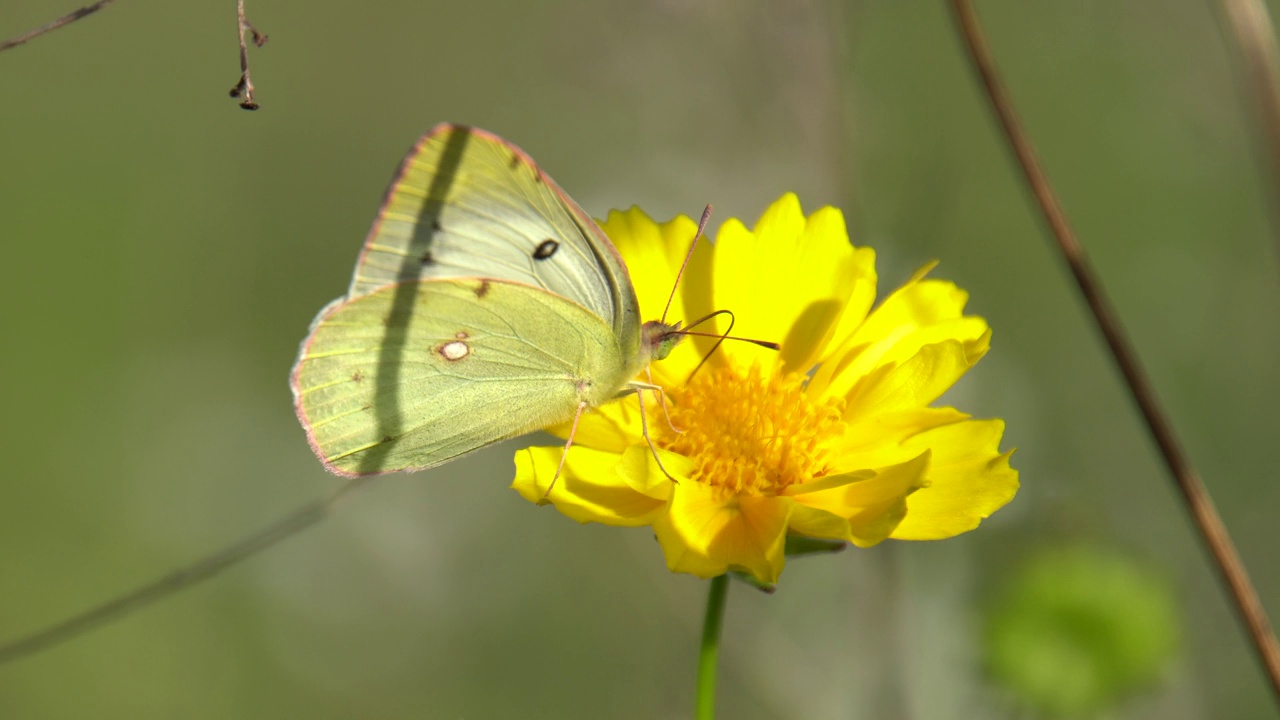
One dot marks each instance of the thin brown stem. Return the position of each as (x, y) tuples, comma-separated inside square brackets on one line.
[(1212, 531), (64, 20), (244, 88), (203, 569), (1256, 36)]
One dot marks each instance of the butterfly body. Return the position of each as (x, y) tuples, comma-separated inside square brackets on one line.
[(485, 305)]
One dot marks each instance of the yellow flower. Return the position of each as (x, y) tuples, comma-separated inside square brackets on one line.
[(831, 437)]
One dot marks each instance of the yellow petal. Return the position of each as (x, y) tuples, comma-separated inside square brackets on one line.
[(589, 489), (880, 440), (922, 312), (613, 426), (640, 470), (827, 482), (919, 303), (968, 480), (918, 381), (873, 507), (706, 533), (818, 523), (859, 275), (654, 253), (788, 281), (782, 221)]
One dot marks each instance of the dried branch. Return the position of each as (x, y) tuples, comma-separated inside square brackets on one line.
[(64, 20), (1212, 531), (244, 88), (1255, 34)]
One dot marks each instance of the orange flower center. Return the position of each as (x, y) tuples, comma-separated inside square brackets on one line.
[(750, 434)]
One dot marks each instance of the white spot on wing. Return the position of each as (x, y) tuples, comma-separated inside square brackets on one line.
[(454, 351)]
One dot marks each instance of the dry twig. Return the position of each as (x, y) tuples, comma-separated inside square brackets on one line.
[(1256, 36), (244, 88), (64, 20), (1212, 530)]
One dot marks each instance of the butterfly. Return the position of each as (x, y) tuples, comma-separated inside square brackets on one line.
[(485, 304)]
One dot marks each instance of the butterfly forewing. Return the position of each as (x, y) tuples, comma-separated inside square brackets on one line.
[(467, 204), (414, 374)]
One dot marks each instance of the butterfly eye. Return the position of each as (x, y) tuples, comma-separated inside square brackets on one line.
[(545, 249)]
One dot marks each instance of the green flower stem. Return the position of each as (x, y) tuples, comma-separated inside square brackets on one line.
[(709, 655)]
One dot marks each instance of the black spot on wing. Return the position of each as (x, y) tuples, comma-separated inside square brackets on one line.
[(545, 249)]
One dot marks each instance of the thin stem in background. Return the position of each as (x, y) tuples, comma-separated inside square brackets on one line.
[(709, 654), (1212, 531), (203, 569), (64, 20), (1255, 34), (244, 88)]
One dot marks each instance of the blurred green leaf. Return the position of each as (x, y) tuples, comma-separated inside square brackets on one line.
[(1080, 628)]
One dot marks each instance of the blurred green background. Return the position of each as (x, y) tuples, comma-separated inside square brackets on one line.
[(164, 252)]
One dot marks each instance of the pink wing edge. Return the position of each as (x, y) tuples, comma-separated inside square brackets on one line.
[(295, 388)]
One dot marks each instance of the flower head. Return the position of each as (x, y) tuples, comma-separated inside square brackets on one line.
[(831, 437)]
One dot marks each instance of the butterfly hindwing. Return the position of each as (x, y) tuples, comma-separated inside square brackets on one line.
[(414, 374)]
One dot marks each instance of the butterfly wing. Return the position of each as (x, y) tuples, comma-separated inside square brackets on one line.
[(467, 204), (415, 374)]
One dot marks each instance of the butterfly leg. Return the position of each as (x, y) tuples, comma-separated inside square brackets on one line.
[(648, 373), (582, 407), (644, 424)]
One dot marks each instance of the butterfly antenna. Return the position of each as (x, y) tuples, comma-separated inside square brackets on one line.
[(702, 225), (766, 344), (720, 338), (199, 571), (715, 347)]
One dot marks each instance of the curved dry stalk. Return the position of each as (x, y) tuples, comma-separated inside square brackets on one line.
[(1255, 34), (1212, 530), (64, 20)]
